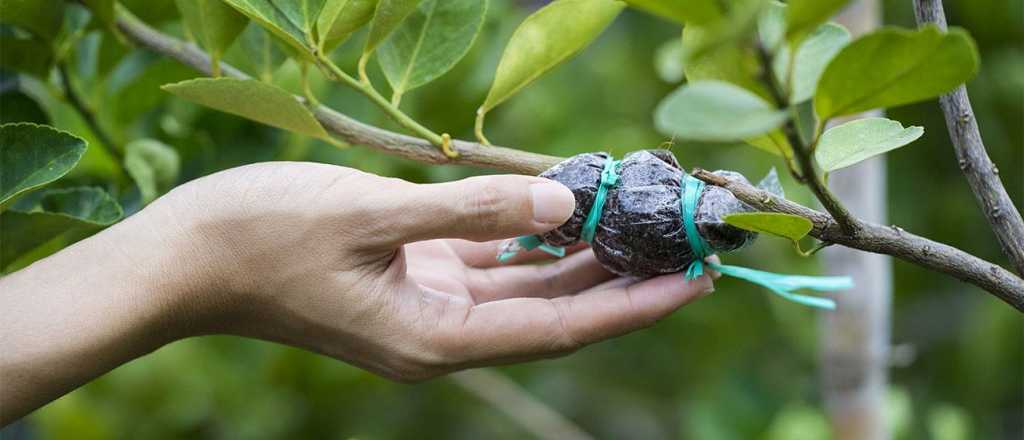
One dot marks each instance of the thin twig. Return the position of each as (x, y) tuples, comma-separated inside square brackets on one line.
[(982, 175), (886, 240), (85, 112), (873, 238)]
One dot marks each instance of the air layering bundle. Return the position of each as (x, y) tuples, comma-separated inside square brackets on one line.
[(643, 216)]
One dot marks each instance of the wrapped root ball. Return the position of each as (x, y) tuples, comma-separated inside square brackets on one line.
[(640, 231)]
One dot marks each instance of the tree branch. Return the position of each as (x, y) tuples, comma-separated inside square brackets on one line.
[(873, 238), (889, 240), (982, 175)]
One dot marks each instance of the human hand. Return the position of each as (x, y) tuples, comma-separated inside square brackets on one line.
[(395, 277)]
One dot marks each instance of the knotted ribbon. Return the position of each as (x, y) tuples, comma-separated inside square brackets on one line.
[(782, 285)]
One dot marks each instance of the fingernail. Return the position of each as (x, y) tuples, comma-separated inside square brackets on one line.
[(707, 291), (552, 202)]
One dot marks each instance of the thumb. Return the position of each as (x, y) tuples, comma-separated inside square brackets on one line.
[(483, 208)]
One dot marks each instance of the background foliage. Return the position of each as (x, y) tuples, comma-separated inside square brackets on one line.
[(738, 364)]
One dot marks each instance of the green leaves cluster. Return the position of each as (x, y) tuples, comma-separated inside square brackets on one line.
[(746, 79), (31, 157)]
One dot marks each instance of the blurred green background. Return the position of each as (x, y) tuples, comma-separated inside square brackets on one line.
[(738, 364)]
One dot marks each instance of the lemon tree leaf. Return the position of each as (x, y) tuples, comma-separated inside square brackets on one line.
[(854, 141), (716, 111), (213, 24), (788, 226), (33, 155), (250, 99)]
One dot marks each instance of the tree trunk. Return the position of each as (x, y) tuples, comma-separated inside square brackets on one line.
[(855, 338)]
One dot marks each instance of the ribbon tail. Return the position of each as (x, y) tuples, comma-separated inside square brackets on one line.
[(783, 285), (530, 242), (695, 270)]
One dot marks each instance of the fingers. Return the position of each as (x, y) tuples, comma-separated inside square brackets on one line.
[(571, 274), (479, 209), (529, 328)]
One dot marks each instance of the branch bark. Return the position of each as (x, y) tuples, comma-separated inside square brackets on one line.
[(875, 238), (889, 240), (982, 175)]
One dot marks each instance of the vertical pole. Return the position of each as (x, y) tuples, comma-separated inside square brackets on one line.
[(855, 338)]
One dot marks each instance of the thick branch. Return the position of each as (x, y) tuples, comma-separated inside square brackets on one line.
[(982, 175), (876, 238), (889, 240)]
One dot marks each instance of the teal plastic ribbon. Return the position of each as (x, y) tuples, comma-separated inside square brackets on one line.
[(782, 285), (531, 242), (609, 177)]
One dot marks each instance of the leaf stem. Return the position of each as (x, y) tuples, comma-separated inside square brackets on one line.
[(803, 153), (397, 115)]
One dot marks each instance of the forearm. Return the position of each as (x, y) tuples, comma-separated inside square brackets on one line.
[(88, 309)]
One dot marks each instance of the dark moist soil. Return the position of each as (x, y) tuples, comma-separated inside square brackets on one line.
[(640, 232)]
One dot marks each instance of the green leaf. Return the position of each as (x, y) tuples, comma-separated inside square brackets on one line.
[(715, 111), (33, 155), (893, 66), (774, 142), (682, 11), (804, 16), (854, 141), (302, 14), (250, 99), (153, 165), (545, 39), (771, 25), (268, 15), (429, 42), (668, 61), (257, 53), (341, 18), (386, 18), (731, 63), (788, 226), (42, 18), (213, 24), (731, 30), (57, 212), (813, 55), (30, 56)]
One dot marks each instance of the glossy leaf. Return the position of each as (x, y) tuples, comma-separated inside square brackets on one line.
[(681, 11), (715, 111), (153, 165), (214, 24), (302, 14), (40, 17), (430, 41), (57, 212), (788, 226), (388, 15), (813, 55), (545, 39), (250, 99), (854, 141), (33, 155), (774, 142), (804, 16), (893, 67), (268, 15), (341, 18)]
